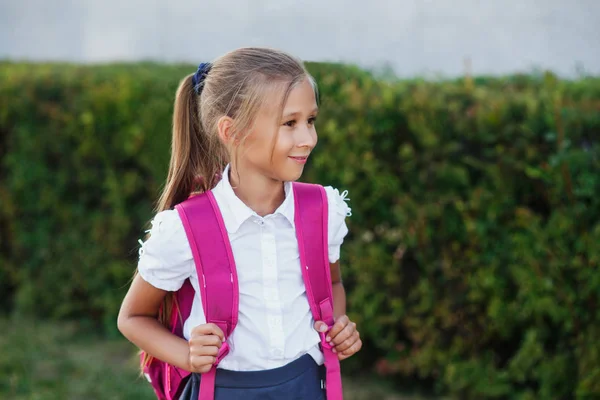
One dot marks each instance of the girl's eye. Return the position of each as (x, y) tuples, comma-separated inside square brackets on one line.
[(290, 123), (312, 120)]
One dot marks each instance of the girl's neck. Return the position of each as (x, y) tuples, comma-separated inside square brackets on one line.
[(262, 194)]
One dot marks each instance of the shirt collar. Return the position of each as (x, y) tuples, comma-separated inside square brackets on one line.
[(235, 212)]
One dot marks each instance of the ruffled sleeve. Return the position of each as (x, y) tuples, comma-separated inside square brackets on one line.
[(338, 211), (166, 259)]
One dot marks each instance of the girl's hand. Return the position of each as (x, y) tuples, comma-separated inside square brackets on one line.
[(343, 335), (205, 342)]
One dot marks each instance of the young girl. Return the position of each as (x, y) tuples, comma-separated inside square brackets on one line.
[(246, 126)]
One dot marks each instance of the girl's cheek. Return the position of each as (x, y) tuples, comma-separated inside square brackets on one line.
[(278, 138)]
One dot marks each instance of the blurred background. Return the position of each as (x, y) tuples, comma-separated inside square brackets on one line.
[(410, 37), (467, 133)]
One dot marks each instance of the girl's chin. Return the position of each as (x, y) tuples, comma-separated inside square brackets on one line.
[(293, 173)]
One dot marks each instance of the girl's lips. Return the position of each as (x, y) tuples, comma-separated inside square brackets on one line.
[(300, 160)]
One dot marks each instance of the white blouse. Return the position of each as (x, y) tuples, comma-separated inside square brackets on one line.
[(275, 325)]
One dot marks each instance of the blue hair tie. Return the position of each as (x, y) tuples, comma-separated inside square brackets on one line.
[(200, 76)]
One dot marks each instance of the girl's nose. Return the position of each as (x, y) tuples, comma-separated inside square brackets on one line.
[(307, 137)]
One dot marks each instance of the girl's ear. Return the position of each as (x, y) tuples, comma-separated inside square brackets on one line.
[(225, 127)]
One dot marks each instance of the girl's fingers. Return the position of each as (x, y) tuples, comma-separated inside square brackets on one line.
[(344, 334), (321, 326), (202, 364), (209, 350), (351, 351), (211, 340), (339, 325), (208, 329), (354, 348), (205, 340), (346, 344)]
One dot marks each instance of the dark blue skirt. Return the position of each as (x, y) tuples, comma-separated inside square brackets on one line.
[(302, 379)]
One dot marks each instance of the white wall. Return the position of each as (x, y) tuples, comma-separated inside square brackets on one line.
[(415, 37)]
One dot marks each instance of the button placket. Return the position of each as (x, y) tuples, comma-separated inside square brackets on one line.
[(271, 293)]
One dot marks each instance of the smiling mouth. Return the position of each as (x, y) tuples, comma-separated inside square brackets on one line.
[(301, 160)]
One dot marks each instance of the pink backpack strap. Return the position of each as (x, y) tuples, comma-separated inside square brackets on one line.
[(216, 270), (311, 220)]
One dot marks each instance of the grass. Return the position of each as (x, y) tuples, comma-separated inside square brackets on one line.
[(49, 360)]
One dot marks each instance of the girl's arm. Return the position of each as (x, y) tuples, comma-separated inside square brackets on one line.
[(339, 294), (138, 322)]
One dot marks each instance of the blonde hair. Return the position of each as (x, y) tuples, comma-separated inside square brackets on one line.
[(236, 86)]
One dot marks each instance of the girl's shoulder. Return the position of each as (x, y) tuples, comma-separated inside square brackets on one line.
[(166, 223), (165, 257), (166, 233), (337, 229), (338, 202)]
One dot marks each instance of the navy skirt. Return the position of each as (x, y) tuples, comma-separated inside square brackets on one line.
[(302, 379)]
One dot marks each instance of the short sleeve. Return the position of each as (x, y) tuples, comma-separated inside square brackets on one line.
[(337, 229), (166, 259)]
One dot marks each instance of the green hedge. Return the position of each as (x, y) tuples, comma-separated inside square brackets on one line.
[(474, 253)]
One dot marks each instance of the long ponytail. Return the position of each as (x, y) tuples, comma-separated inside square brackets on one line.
[(197, 158)]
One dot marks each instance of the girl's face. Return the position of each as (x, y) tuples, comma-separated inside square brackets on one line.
[(280, 151)]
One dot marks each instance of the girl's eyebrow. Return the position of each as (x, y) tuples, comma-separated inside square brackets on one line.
[(296, 113)]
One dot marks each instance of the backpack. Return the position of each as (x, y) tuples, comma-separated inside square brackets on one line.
[(218, 284)]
